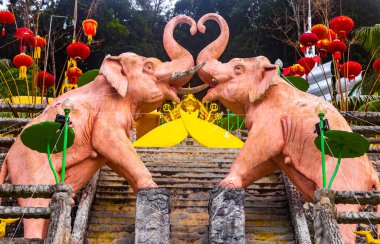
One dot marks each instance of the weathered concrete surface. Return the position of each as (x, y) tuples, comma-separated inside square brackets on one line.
[(226, 215)]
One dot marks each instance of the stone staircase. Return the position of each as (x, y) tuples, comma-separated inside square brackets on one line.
[(189, 171)]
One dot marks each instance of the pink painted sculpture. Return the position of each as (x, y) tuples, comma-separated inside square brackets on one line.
[(103, 116), (281, 122)]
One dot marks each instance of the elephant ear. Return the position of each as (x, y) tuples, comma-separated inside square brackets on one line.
[(112, 70), (266, 77)]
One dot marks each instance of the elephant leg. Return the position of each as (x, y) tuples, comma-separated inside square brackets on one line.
[(238, 178), (255, 159), (111, 141), (35, 228), (347, 229)]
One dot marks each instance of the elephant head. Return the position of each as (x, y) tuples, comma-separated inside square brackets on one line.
[(238, 81), (150, 78)]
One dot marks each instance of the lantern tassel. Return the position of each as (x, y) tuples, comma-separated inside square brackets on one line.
[(342, 35), (37, 53), (22, 72), (89, 39), (72, 63), (3, 32)]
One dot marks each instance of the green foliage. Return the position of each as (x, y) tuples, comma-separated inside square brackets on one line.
[(360, 102), (373, 106), (369, 39), (87, 77)]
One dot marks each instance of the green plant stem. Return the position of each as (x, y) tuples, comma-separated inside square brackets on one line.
[(65, 132), (51, 162), (321, 127), (228, 120), (336, 169)]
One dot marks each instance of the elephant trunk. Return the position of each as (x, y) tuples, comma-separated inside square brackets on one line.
[(182, 60), (214, 50)]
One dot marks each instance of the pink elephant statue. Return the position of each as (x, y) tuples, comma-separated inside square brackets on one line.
[(281, 122), (104, 112)]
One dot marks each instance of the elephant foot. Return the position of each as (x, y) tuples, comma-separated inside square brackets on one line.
[(146, 184), (226, 215), (232, 182), (152, 222)]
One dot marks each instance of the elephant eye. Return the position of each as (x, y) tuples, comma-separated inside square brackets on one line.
[(148, 67), (239, 69)]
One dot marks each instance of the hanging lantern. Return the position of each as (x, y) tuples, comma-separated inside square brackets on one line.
[(350, 70), (342, 25), (376, 65), (320, 30), (23, 62), (44, 81), (303, 48), (6, 18), (336, 48), (89, 28), (308, 39), (322, 47), (296, 70), (78, 50), (24, 37), (332, 35), (38, 43), (307, 63), (73, 74)]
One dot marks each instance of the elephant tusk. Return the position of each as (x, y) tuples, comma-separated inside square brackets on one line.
[(178, 75), (192, 90)]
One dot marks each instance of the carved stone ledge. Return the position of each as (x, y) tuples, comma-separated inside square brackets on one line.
[(325, 224), (297, 212), (346, 217), (352, 197), (152, 224), (226, 215)]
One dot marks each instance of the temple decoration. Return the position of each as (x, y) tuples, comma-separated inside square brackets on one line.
[(45, 80), (24, 37), (342, 25), (6, 18), (190, 104), (376, 65), (73, 74), (190, 117), (350, 70), (320, 30), (89, 28), (39, 42), (307, 63), (23, 62), (308, 39), (336, 48)]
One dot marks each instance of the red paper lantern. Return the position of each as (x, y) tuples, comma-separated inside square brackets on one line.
[(89, 28), (44, 81), (308, 39), (376, 65), (6, 18), (296, 70), (23, 62), (320, 30), (73, 74), (307, 63), (336, 48), (350, 70), (38, 43), (24, 37), (78, 50), (342, 25), (332, 35), (322, 47)]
